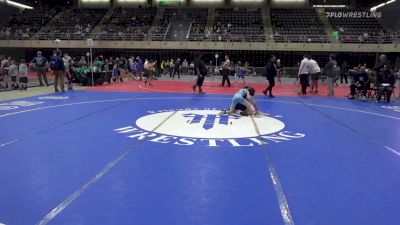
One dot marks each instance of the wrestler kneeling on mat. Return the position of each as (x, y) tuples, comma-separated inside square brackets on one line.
[(244, 102)]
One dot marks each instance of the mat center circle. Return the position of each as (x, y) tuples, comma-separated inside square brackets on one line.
[(208, 124)]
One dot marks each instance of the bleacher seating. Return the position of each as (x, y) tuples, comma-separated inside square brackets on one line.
[(131, 23), (238, 24), (357, 29), (297, 25), (199, 22), (74, 24), (23, 25), (172, 18), (182, 24)]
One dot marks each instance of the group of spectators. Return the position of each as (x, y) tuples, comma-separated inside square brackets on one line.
[(340, 35), (380, 79), (376, 83), (74, 23), (133, 22), (13, 73), (366, 83), (25, 24), (238, 24)]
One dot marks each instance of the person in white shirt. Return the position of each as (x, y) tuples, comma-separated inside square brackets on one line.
[(225, 71), (151, 68), (4, 67), (13, 73), (171, 67), (68, 62), (23, 75), (315, 72), (304, 71), (185, 66), (146, 68)]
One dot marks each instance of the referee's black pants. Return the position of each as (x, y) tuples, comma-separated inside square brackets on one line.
[(225, 77), (304, 83)]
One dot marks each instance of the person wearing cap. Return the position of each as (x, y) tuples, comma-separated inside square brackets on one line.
[(40, 64)]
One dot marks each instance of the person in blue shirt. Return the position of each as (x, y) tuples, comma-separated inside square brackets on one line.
[(58, 68), (242, 72), (140, 65), (116, 73), (244, 102)]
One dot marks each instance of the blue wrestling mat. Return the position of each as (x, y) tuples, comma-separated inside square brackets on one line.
[(88, 157)]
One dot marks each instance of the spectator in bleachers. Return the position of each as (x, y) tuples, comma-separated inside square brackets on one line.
[(335, 36)]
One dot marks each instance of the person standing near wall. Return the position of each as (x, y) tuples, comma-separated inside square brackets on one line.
[(40, 65), (4, 67), (304, 71), (58, 68), (177, 69), (68, 62), (279, 70), (330, 70), (270, 74), (200, 72), (23, 75), (315, 72)]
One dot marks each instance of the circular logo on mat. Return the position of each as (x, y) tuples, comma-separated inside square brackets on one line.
[(208, 124)]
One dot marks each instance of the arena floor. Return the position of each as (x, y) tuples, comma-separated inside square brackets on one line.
[(130, 154)]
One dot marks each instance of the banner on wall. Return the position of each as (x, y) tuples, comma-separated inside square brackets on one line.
[(170, 2)]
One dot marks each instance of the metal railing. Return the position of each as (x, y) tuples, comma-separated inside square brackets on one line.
[(205, 38)]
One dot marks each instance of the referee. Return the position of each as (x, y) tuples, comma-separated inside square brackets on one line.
[(270, 74), (226, 66)]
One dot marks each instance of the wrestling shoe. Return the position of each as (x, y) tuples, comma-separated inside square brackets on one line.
[(243, 113), (223, 112)]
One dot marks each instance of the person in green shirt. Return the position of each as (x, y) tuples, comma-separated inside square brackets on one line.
[(335, 35)]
